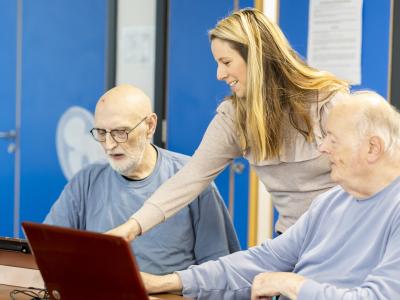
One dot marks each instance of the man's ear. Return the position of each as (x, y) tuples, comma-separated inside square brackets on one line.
[(376, 148), (152, 125)]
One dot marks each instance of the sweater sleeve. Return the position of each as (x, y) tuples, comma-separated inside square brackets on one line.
[(218, 147), (213, 228), (231, 276), (382, 283)]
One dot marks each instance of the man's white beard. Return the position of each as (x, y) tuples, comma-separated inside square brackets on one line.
[(133, 160), (122, 167)]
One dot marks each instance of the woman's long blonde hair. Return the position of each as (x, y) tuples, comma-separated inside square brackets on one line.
[(277, 81)]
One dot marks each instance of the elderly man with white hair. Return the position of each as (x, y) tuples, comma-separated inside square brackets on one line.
[(346, 246)]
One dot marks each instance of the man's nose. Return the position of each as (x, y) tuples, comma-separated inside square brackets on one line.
[(109, 143)]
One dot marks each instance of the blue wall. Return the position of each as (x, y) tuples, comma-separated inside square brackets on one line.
[(63, 64), (8, 24), (194, 91)]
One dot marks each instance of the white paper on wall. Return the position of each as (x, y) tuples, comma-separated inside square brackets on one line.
[(136, 57), (137, 45), (335, 37)]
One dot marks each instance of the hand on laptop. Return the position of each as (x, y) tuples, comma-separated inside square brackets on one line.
[(161, 283), (129, 230)]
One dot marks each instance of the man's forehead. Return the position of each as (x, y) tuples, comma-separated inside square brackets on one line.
[(339, 121), (131, 102), (346, 110), (115, 117), (336, 116)]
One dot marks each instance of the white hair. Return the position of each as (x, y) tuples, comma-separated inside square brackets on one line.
[(378, 118)]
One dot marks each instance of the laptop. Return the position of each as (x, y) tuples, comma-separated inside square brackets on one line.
[(14, 244), (17, 265), (84, 265)]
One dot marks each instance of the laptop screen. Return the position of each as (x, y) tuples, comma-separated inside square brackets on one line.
[(84, 265)]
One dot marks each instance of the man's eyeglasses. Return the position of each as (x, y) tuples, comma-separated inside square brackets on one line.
[(118, 135)]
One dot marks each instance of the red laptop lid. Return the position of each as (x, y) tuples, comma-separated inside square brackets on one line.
[(84, 265)]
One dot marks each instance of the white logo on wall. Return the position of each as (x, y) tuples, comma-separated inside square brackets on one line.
[(76, 148)]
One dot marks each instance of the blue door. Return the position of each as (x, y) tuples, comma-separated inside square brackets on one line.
[(8, 25), (194, 92), (63, 67)]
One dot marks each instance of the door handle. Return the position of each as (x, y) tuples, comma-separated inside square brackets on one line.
[(8, 134), (234, 168), (11, 135)]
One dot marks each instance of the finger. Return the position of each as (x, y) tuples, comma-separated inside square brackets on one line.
[(254, 289), (256, 293), (253, 295)]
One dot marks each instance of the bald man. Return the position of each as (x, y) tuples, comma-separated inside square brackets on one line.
[(346, 246), (102, 196)]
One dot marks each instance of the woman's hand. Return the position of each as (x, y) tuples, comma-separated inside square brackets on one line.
[(161, 283), (129, 230)]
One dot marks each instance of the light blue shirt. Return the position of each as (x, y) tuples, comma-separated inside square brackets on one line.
[(99, 199), (347, 248)]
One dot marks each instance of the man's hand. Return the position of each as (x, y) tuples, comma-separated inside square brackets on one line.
[(161, 284), (266, 285), (129, 230)]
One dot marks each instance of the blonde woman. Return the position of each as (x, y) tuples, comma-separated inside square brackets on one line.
[(274, 118)]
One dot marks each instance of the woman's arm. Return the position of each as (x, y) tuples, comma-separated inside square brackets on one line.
[(218, 147)]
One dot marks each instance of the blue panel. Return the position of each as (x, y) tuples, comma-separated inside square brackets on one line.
[(375, 46), (63, 65), (8, 13), (293, 20), (240, 218), (193, 90)]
